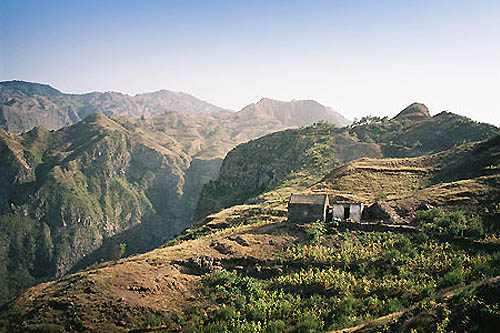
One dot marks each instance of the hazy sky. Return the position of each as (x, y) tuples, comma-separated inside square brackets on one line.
[(359, 57)]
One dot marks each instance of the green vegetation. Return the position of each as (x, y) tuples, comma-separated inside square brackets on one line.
[(404, 138), (334, 280), (118, 251), (451, 223), (26, 252)]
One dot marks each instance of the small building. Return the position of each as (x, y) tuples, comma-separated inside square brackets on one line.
[(307, 208), (347, 210)]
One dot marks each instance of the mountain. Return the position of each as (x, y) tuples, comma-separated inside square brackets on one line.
[(246, 268), (70, 196), (293, 113), (105, 187), (67, 193), (24, 105)]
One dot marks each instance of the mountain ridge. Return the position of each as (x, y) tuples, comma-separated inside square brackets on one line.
[(24, 105)]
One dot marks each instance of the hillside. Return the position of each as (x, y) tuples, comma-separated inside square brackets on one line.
[(245, 268), (259, 165), (67, 193), (413, 132)]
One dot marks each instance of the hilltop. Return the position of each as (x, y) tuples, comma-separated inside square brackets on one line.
[(259, 165), (293, 113)]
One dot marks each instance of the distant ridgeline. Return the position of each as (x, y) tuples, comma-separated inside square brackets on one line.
[(24, 105)]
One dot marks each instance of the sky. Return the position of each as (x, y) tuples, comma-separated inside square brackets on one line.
[(371, 57)]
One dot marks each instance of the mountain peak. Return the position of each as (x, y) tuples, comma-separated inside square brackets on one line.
[(292, 113), (414, 112)]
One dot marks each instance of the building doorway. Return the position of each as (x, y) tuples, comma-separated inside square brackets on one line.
[(347, 212)]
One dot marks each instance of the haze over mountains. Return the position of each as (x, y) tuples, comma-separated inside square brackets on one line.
[(24, 105), (74, 189)]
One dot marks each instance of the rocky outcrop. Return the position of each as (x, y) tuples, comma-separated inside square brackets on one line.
[(381, 212), (414, 112)]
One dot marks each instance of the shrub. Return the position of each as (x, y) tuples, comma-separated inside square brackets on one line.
[(315, 232), (394, 305), (452, 223), (475, 227), (275, 326), (310, 324), (428, 216), (118, 251), (452, 278)]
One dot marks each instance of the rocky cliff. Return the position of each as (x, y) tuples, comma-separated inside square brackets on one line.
[(66, 192)]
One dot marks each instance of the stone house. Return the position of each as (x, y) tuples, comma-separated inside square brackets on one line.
[(303, 208), (307, 208)]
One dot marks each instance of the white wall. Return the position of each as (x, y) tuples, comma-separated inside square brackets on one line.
[(355, 211)]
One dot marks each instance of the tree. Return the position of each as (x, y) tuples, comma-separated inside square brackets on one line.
[(118, 251)]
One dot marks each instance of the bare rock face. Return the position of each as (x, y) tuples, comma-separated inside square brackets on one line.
[(381, 211), (414, 112)]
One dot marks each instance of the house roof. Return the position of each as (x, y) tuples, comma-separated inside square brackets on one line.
[(345, 202), (311, 199)]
